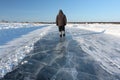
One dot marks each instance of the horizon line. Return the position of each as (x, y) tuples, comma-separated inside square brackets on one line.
[(76, 22)]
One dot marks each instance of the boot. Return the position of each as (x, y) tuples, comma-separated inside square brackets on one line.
[(63, 32), (60, 33), (64, 35)]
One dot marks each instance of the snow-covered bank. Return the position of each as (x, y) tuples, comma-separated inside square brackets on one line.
[(112, 29), (14, 51), (18, 25)]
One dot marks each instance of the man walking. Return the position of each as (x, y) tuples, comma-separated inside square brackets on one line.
[(61, 22)]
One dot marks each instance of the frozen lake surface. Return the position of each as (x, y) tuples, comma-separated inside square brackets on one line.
[(83, 54)]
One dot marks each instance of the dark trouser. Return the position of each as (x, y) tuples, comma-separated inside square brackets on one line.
[(62, 30)]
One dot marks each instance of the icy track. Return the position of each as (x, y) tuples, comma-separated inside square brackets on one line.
[(100, 41)]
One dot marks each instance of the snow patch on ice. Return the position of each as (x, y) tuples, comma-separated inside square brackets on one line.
[(14, 51)]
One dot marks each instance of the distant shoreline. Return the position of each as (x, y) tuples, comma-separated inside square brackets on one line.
[(68, 22)]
